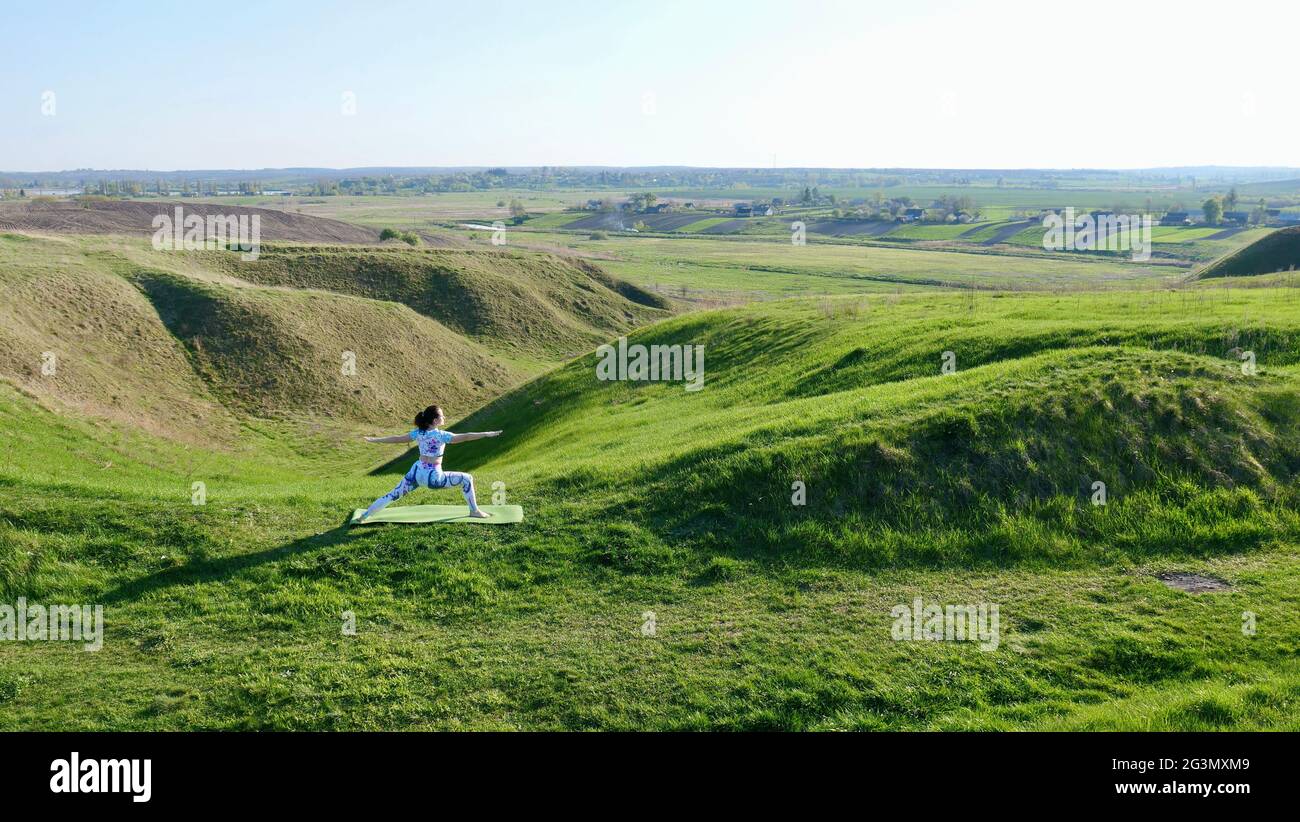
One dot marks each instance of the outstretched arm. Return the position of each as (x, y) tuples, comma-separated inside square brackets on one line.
[(455, 438), (394, 438)]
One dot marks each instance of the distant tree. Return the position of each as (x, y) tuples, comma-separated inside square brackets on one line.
[(642, 200), (390, 234), (1230, 201), (518, 212), (1260, 215), (1213, 209), (410, 238)]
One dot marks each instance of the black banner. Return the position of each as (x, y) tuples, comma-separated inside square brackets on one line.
[(142, 772)]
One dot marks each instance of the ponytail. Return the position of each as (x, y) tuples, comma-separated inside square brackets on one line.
[(424, 419)]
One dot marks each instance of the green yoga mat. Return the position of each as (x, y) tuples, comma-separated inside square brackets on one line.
[(417, 514)]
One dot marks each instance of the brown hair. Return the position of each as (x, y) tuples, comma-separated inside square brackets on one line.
[(424, 419)]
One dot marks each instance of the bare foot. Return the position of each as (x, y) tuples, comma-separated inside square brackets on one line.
[(479, 514)]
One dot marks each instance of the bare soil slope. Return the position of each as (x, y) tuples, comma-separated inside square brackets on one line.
[(136, 217)]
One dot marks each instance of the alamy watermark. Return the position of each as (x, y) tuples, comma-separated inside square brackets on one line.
[(77, 775), (656, 363), (920, 622), (197, 232), (29, 622), (1099, 232)]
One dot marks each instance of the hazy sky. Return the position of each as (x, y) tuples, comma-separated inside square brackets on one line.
[(705, 82)]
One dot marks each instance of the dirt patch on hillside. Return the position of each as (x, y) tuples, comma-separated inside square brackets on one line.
[(136, 217), (1192, 583), (853, 228)]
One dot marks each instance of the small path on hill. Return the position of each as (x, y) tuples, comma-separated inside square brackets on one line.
[(1007, 232), (1227, 232)]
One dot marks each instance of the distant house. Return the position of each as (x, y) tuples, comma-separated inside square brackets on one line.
[(965, 217), (1236, 217), (913, 215), (1288, 219), (593, 205), (754, 210), (1176, 218)]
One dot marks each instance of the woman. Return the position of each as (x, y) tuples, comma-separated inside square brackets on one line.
[(427, 471)]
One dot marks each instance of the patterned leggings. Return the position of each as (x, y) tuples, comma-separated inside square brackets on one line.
[(429, 476)]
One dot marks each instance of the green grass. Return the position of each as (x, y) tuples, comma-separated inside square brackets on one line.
[(918, 231), (645, 498), (1188, 244), (746, 266), (707, 222)]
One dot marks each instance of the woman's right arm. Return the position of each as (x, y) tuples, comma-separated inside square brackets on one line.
[(394, 438)]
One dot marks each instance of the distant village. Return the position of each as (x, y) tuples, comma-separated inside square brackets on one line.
[(944, 210)]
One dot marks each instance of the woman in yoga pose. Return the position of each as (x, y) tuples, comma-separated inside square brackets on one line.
[(427, 470)]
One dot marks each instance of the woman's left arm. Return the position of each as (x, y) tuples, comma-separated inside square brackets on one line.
[(455, 438)]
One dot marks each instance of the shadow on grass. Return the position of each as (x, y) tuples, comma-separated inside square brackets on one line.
[(215, 570)]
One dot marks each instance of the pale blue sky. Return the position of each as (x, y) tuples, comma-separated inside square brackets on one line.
[(924, 83)]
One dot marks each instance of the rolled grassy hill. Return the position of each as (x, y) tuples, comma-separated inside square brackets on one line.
[(903, 465), (1274, 252), (527, 303), (170, 341)]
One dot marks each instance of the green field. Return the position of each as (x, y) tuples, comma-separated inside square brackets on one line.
[(663, 577), (748, 266)]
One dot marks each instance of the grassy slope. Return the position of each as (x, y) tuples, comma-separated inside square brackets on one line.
[(112, 358), (1274, 252), (167, 339), (965, 488), (515, 302)]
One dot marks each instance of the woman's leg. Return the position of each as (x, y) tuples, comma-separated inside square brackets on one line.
[(406, 486), (466, 484)]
